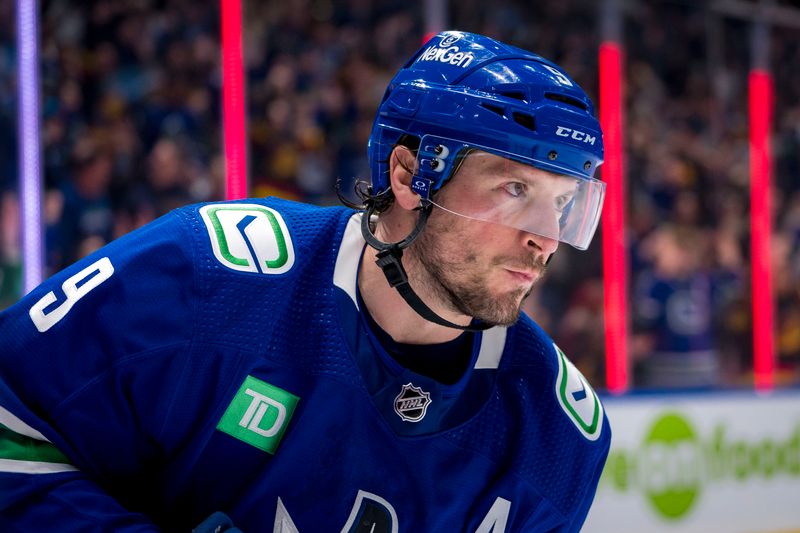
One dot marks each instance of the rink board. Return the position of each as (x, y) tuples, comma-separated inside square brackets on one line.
[(701, 462)]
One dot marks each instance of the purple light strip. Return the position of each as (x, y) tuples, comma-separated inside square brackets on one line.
[(30, 178)]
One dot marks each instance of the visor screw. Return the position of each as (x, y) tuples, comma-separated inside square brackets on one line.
[(552, 155), (587, 165), (434, 163), (438, 149)]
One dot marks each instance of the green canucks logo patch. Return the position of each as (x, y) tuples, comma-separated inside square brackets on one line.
[(249, 238), (259, 414), (577, 398)]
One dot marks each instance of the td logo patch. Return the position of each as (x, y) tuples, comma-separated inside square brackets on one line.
[(577, 398), (412, 403), (249, 238), (259, 414)]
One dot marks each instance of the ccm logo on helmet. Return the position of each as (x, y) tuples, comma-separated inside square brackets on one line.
[(575, 134), (450, 55)]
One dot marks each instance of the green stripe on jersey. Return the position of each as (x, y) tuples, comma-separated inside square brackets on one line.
[(22, 448)]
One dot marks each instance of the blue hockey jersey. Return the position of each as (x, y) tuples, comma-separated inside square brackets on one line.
[(216, 360)]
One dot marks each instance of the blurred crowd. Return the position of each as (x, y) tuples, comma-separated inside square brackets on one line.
[(131, 128)]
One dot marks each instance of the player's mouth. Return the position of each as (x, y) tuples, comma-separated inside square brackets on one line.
[(523, 276)]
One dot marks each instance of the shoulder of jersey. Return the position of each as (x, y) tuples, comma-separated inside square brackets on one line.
[(259, 236), (577, 401)]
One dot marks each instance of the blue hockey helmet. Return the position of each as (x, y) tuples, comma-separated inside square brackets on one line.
[(465, 93)]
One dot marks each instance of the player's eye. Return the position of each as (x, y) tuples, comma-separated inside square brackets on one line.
[(515, 188)]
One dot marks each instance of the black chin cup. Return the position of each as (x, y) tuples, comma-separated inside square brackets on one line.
[(389, 259)]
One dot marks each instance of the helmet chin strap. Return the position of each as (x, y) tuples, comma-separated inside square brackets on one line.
[(389, 259)]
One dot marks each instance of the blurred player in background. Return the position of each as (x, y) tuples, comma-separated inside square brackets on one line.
[(322, 369)]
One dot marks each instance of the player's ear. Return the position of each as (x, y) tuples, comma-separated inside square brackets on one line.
[(402, 167)]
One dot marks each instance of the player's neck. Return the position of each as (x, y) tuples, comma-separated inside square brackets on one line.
[(394, 315)]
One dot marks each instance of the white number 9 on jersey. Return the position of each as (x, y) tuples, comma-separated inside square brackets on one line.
[(75, 287)]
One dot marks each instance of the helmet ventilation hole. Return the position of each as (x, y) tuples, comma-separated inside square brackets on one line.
[(517, 95), (564, 99), (525, 120), (494, 108)]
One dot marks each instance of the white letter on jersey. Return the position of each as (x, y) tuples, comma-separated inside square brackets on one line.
[(283, 522), (496, 518), (373, 512), (75, 288)]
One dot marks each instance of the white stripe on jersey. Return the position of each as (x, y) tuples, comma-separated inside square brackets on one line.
[(16, 425), (34, 467)]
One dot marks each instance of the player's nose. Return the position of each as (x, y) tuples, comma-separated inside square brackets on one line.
[(543, 245)]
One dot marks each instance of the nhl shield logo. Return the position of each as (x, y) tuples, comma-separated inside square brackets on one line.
[(412, 403)]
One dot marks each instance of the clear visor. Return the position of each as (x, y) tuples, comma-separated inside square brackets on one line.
[(494, 188)]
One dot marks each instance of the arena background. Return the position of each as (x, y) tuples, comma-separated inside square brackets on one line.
[(131, 99)]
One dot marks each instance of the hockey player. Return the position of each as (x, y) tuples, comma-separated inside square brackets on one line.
[(306, 369)]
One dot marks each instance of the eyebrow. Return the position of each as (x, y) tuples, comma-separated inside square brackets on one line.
[(500, 170), (534, 180)]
